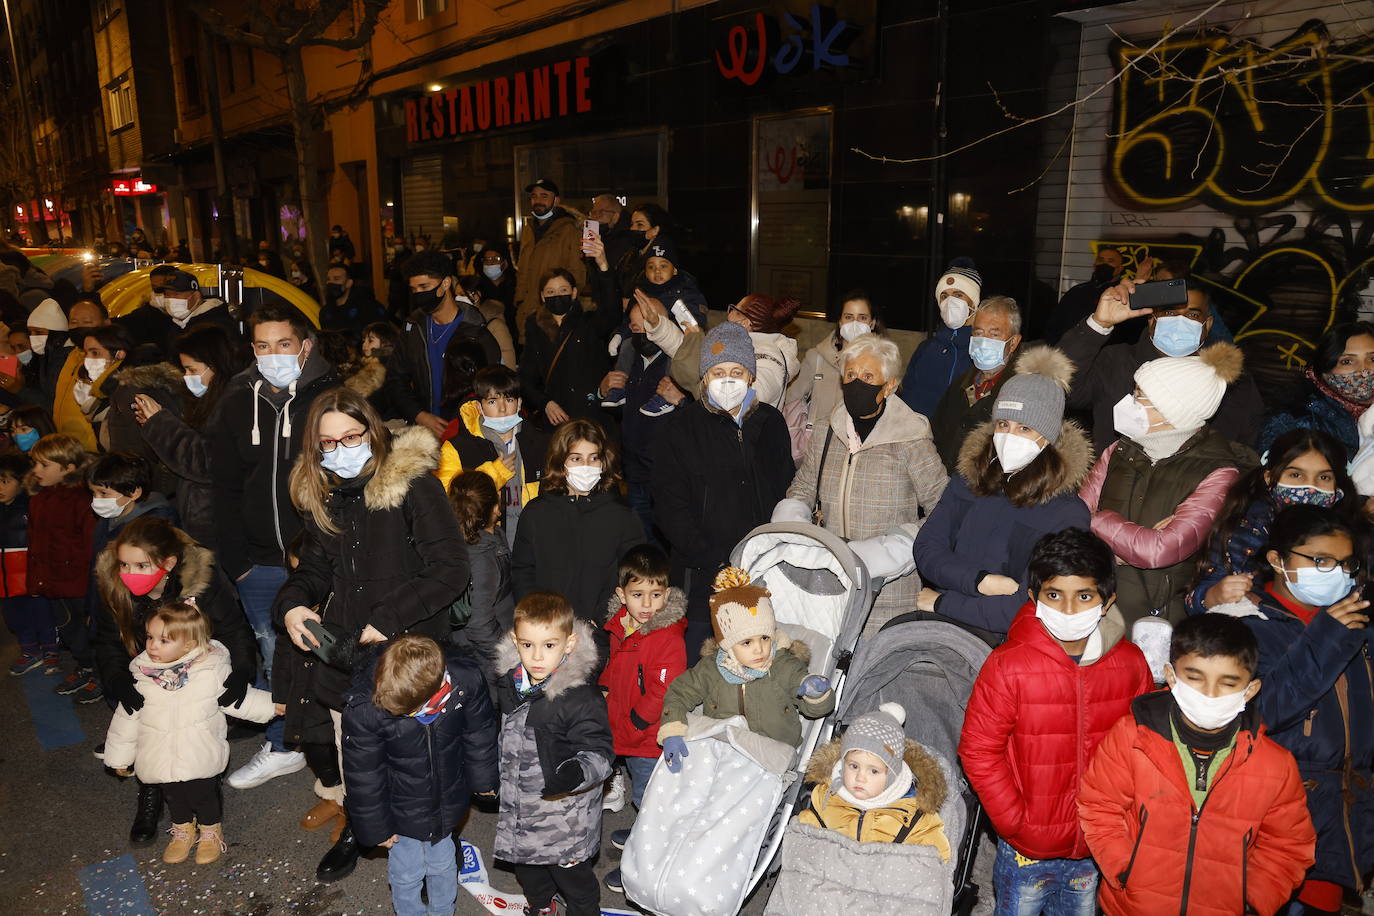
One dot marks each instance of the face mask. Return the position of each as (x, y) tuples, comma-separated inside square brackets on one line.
[(1015, 452), (25, 357), (1206, 712), (501, 424), (727, 393), (954, 312), (860, 398), (333, 290), (1287, 494), (347, 462), (1068, 627), (1317, 588), (644, 346), (852, 329), (543, 216), (142, 583), (558, 305), (428, 301), (26, 441), (38, 343), (94, 367), (158, 301), (583, 477), (195, 385), (297, 278), (637, 236), (1175, 335), (279, 369), (1103, 273), (477, 247), (493, 271), (987, 353), (106, 506), (1353, 386), (178, 308), (1130, 418)]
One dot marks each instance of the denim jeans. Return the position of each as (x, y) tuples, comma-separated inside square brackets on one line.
[(257, 591), (641, 768), (413, 863), (1055, 887)]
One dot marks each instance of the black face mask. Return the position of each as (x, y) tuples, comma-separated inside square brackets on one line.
[(1103, 273), (860, 398), (333, 290), (637, 236), (644, 346), (558, 305), (429, 300)]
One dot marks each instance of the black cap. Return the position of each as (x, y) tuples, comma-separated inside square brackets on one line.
[(180, 282), (544, 183), (663, 247)]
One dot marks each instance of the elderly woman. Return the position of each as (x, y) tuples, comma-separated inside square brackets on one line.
[(869, 473), (719, 467)]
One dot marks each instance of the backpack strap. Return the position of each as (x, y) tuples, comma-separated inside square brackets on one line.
[(817, 516), (908, 827)]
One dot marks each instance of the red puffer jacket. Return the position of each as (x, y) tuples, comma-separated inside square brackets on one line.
[(61, 526), (1031, 726), (1246, 850), (641, 667)]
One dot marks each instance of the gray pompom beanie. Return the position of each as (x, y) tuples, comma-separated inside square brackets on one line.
[(880, 734), (1034, 396)]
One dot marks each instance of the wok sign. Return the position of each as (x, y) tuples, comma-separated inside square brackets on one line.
[(788, 43), (537, 94)]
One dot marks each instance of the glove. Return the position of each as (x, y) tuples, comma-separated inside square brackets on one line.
[(565, 780), (235, 688), (674, 750), (131, 700), (812, 686)]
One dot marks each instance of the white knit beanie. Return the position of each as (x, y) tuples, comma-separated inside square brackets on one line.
[(965, 280), (48, 315), (1187, 390)]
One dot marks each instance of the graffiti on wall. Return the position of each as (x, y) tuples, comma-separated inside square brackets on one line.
[(1279, 142)]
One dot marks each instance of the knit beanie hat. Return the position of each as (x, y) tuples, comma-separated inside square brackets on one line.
[(1034, 396), (960, 275), (880, 734), (663, 247), (48, 315), (727, 342), (765, 315), (739, 611), (1187, 390)]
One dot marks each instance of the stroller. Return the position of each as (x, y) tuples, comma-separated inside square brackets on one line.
[(707, 836)]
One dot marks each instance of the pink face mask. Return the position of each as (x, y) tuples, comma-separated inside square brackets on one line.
[(142, 583)]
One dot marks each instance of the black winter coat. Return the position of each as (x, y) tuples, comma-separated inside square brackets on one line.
[(361, 310), (638, 432), (163, 384), (715, 481), (572, 545), (572, 381), (492, 598), (407, 373), (306, 720), (185, 453), (397, 563), (403, 777)]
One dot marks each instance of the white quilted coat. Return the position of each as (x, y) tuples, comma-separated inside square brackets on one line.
[(179, 735)]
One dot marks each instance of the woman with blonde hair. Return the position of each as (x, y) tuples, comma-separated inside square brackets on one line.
[(383, 554)]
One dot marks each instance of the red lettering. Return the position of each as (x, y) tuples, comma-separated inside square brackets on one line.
[(502, 89), (560, 70), (452, 96), (540, 78), (465, 124), (436, 108), (423, 117), (738, 42), (412, 128), (484, 105), (584, 84), (520, 110)]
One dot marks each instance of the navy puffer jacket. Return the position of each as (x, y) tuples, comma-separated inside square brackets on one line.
[(406, 778)]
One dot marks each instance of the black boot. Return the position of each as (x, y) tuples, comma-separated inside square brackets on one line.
[(147, 815), (338, 863)]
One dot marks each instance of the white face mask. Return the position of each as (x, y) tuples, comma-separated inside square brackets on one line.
[(727, 393), (106, 506), (1205, 712), (94, 367), (852, 329), (1130, 418), (25, 357), (1068, 627), (347, 462), (177, 307), (954, 312), (583, 477), (38, 343), (1015, 452), (280, 369)]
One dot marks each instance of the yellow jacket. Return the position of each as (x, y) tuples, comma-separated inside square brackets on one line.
[(451, 462), (881, 825), (67, 414)]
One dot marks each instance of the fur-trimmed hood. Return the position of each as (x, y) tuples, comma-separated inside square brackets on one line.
[(799, 650), (672, 611), (931, 791), (578, 669), (193, 572), (368, 378), (153, 375), (414, 453), (1073, 446)]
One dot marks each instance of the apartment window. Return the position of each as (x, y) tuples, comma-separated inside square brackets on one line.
[(121, 106), (426, 8)]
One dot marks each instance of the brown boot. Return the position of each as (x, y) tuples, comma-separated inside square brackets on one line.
[(339, 826), (211, 844), (318, 817), (183, 838)]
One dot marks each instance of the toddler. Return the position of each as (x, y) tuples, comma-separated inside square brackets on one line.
[(177, 738)]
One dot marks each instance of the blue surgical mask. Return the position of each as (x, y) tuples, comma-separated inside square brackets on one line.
[(347, 462), (195, 385), (987, 353), (1176, 335), (280, 369), (493, 271), (1320, 589), (26, 440), (501, 424)]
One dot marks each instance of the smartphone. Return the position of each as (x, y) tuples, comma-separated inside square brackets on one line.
[(591, 229), (683, 314), (325, 638), (10, 366), (1160, 294)]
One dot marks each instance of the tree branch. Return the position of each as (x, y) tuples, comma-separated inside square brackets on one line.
[(214, 21)]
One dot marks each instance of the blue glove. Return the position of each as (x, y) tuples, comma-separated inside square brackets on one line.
[(674, 749), (812, 686)]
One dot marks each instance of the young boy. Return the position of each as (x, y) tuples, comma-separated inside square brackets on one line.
[(1196, 766), (26, 615), (121, 491), (556, 751), (1042, 702), (647, 621), (419, 737)]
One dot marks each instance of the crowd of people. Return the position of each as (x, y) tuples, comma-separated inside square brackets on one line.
[(478, 548)]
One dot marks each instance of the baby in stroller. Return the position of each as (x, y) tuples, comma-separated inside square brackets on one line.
[(876, 785)]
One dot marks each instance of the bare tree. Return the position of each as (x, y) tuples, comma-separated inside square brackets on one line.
[(284, 29)]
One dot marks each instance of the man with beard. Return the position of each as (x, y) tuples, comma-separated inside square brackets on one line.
[(1078, 303), (551, 238)]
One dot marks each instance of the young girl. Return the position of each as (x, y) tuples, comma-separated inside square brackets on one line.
[(478, 506), (573, 534), (61, 526), (1312, 624), (176, 739), (1303, 466), (28, 424), (367, 375)]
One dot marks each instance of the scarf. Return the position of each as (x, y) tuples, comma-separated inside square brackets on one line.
[(1354, 408), (735, 673), (175, 675), (903, 786), (522, 684), (1164, 443), (435, 704)]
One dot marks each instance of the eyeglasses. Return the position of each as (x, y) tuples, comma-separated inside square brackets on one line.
[(352, 440), (1327, 564)]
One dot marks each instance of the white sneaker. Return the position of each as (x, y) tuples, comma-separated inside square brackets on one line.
[(615, 795), (266, 764)]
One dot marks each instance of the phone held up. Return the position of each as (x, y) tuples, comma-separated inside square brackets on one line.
[(1160, 294)]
